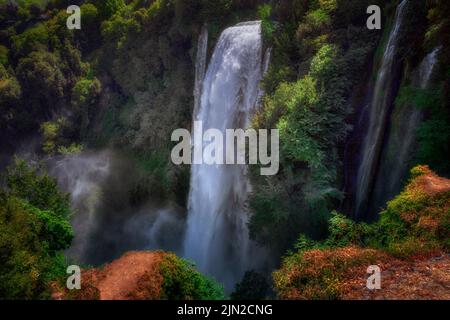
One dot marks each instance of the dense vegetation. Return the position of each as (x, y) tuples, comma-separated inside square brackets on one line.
[(126, 79), (34, 229), (183, 282), (309, 86), (313, 86), (414, 225)]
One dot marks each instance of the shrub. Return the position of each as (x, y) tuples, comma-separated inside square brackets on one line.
[(183, 282), (37, 188), (412, 223), (264, 13), (33, 230), (344, 232), (32, 39), (318, 274)]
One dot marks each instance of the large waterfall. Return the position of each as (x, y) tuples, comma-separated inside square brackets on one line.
[(379, 110), (217, 235)]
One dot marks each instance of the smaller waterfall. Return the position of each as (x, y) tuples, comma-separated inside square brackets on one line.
[(266, 65), (379, 110), (426, 68), (200, 66), (401, 143)]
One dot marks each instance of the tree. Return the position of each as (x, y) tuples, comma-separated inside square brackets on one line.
[(33, 185), (33, 230), (42, 78)]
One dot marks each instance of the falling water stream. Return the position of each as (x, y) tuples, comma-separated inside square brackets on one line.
[(379, 110), (217, 235), (400, 146)]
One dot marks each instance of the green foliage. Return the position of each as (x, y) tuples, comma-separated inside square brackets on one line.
[(318, 274), (307, 97), (54, 141), (345, 232), (433, 133), (118, 28), (36, 187), (72, 149), (3, 55), (414, 223), (439, 27), (85, 95), (33, 229), (85, 92), (252, 287), (57, 232), (268, 28), (310, 114), (32, 39), (42, 77), (24, 260), (304, 243), (50, 132), (10, 95), (109, 7), (183, 282), (89, 36)]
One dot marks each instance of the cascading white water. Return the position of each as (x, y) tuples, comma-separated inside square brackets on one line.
[(378, 112), (200, 66), (426, 68), (266, 65), (217, 235), (401, 142)]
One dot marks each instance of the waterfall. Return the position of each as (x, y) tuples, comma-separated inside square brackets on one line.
[(266, 64), (379, 110), (426, 68), (401, 143), (217, 235), (200, 66)]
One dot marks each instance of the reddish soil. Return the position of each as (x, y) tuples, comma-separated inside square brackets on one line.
[(404, 280), (433, 184), (134, 276), (121, 278)]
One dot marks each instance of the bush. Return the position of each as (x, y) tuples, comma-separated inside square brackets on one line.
[(412, 223), (42, 78), (37, 188), (32, 39), (317, 274), (33, 230), (183, 282), (345, 232)]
